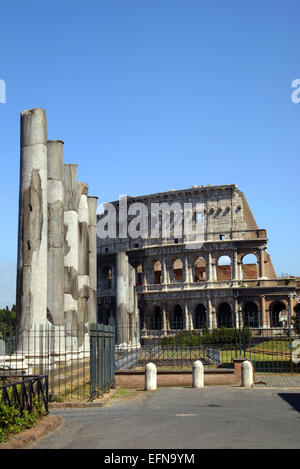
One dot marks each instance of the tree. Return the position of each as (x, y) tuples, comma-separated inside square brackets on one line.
[(7, 321)]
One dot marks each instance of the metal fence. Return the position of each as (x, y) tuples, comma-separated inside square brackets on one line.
[(274, 349), (29, 393), (63, 353), (102, 359)]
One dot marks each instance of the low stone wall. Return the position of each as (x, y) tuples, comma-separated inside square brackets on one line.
[(135, 379)]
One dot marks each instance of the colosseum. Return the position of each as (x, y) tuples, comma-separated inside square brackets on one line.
[(176, 280)]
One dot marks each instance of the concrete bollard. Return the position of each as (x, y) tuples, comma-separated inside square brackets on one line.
[(247, 374), (151, 377), (198, 374)]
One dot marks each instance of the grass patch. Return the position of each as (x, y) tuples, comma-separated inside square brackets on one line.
[(121, 393)]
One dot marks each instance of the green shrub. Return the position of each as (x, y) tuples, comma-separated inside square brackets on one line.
[(222, 336), (12, 421)]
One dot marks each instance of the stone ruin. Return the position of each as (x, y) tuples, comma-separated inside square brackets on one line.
[(56, 269)]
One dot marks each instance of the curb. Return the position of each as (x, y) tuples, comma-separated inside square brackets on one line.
[(26, 438), (79, 405)]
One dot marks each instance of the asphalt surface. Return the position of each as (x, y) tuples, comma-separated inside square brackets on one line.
[(184, 418)]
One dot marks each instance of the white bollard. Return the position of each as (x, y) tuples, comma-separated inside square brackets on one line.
[(151, 377), (247, 374), (198, 374)]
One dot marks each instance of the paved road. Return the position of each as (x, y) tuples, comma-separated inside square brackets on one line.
[(184, 418)]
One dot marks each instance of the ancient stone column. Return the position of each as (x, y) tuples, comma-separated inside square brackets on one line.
[(164, 279), (264, 317), (210, 270), (187, 318), (262, 263), (55, 281), (235, 272), (92, 302), (70, 247), (211, 316), (164, 319), (291, 306), (186, 272), (32, 236), (83, 255), (121, 298)]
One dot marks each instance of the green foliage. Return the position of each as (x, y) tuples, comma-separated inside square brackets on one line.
[(7, 321), (222, 336), (12, 421)]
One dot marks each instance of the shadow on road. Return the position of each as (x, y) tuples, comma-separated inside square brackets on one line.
[(291, 398)]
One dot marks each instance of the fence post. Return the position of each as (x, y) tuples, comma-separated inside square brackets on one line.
[(247, 374), (151, 377), (198, 374)]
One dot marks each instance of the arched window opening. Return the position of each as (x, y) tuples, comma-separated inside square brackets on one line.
[(178, 270), (104, 315), (224, 315), (249, 267), (200, 316), (156, 319), (106, 278), (200, 270), (251, 315), (224, 269), (278, 315), (157, 272), (177, 322), (139, 274)]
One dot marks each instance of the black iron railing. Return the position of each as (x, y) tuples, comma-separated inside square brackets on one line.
[(271, 349), (28, 394)]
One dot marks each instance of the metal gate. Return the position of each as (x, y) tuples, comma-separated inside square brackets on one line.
[(102, 359)]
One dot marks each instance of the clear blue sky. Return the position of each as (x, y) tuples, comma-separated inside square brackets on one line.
[(158, 94)]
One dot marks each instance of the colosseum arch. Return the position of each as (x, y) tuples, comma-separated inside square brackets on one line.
[(177, 317), (224, 270), (249, 266), (200, 316), (278, 314), (178, 270), (224, 315), (251, 314), (156, 318), (104, 315), (105, 277), (157, 272), (200, 269), (139, 274)]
